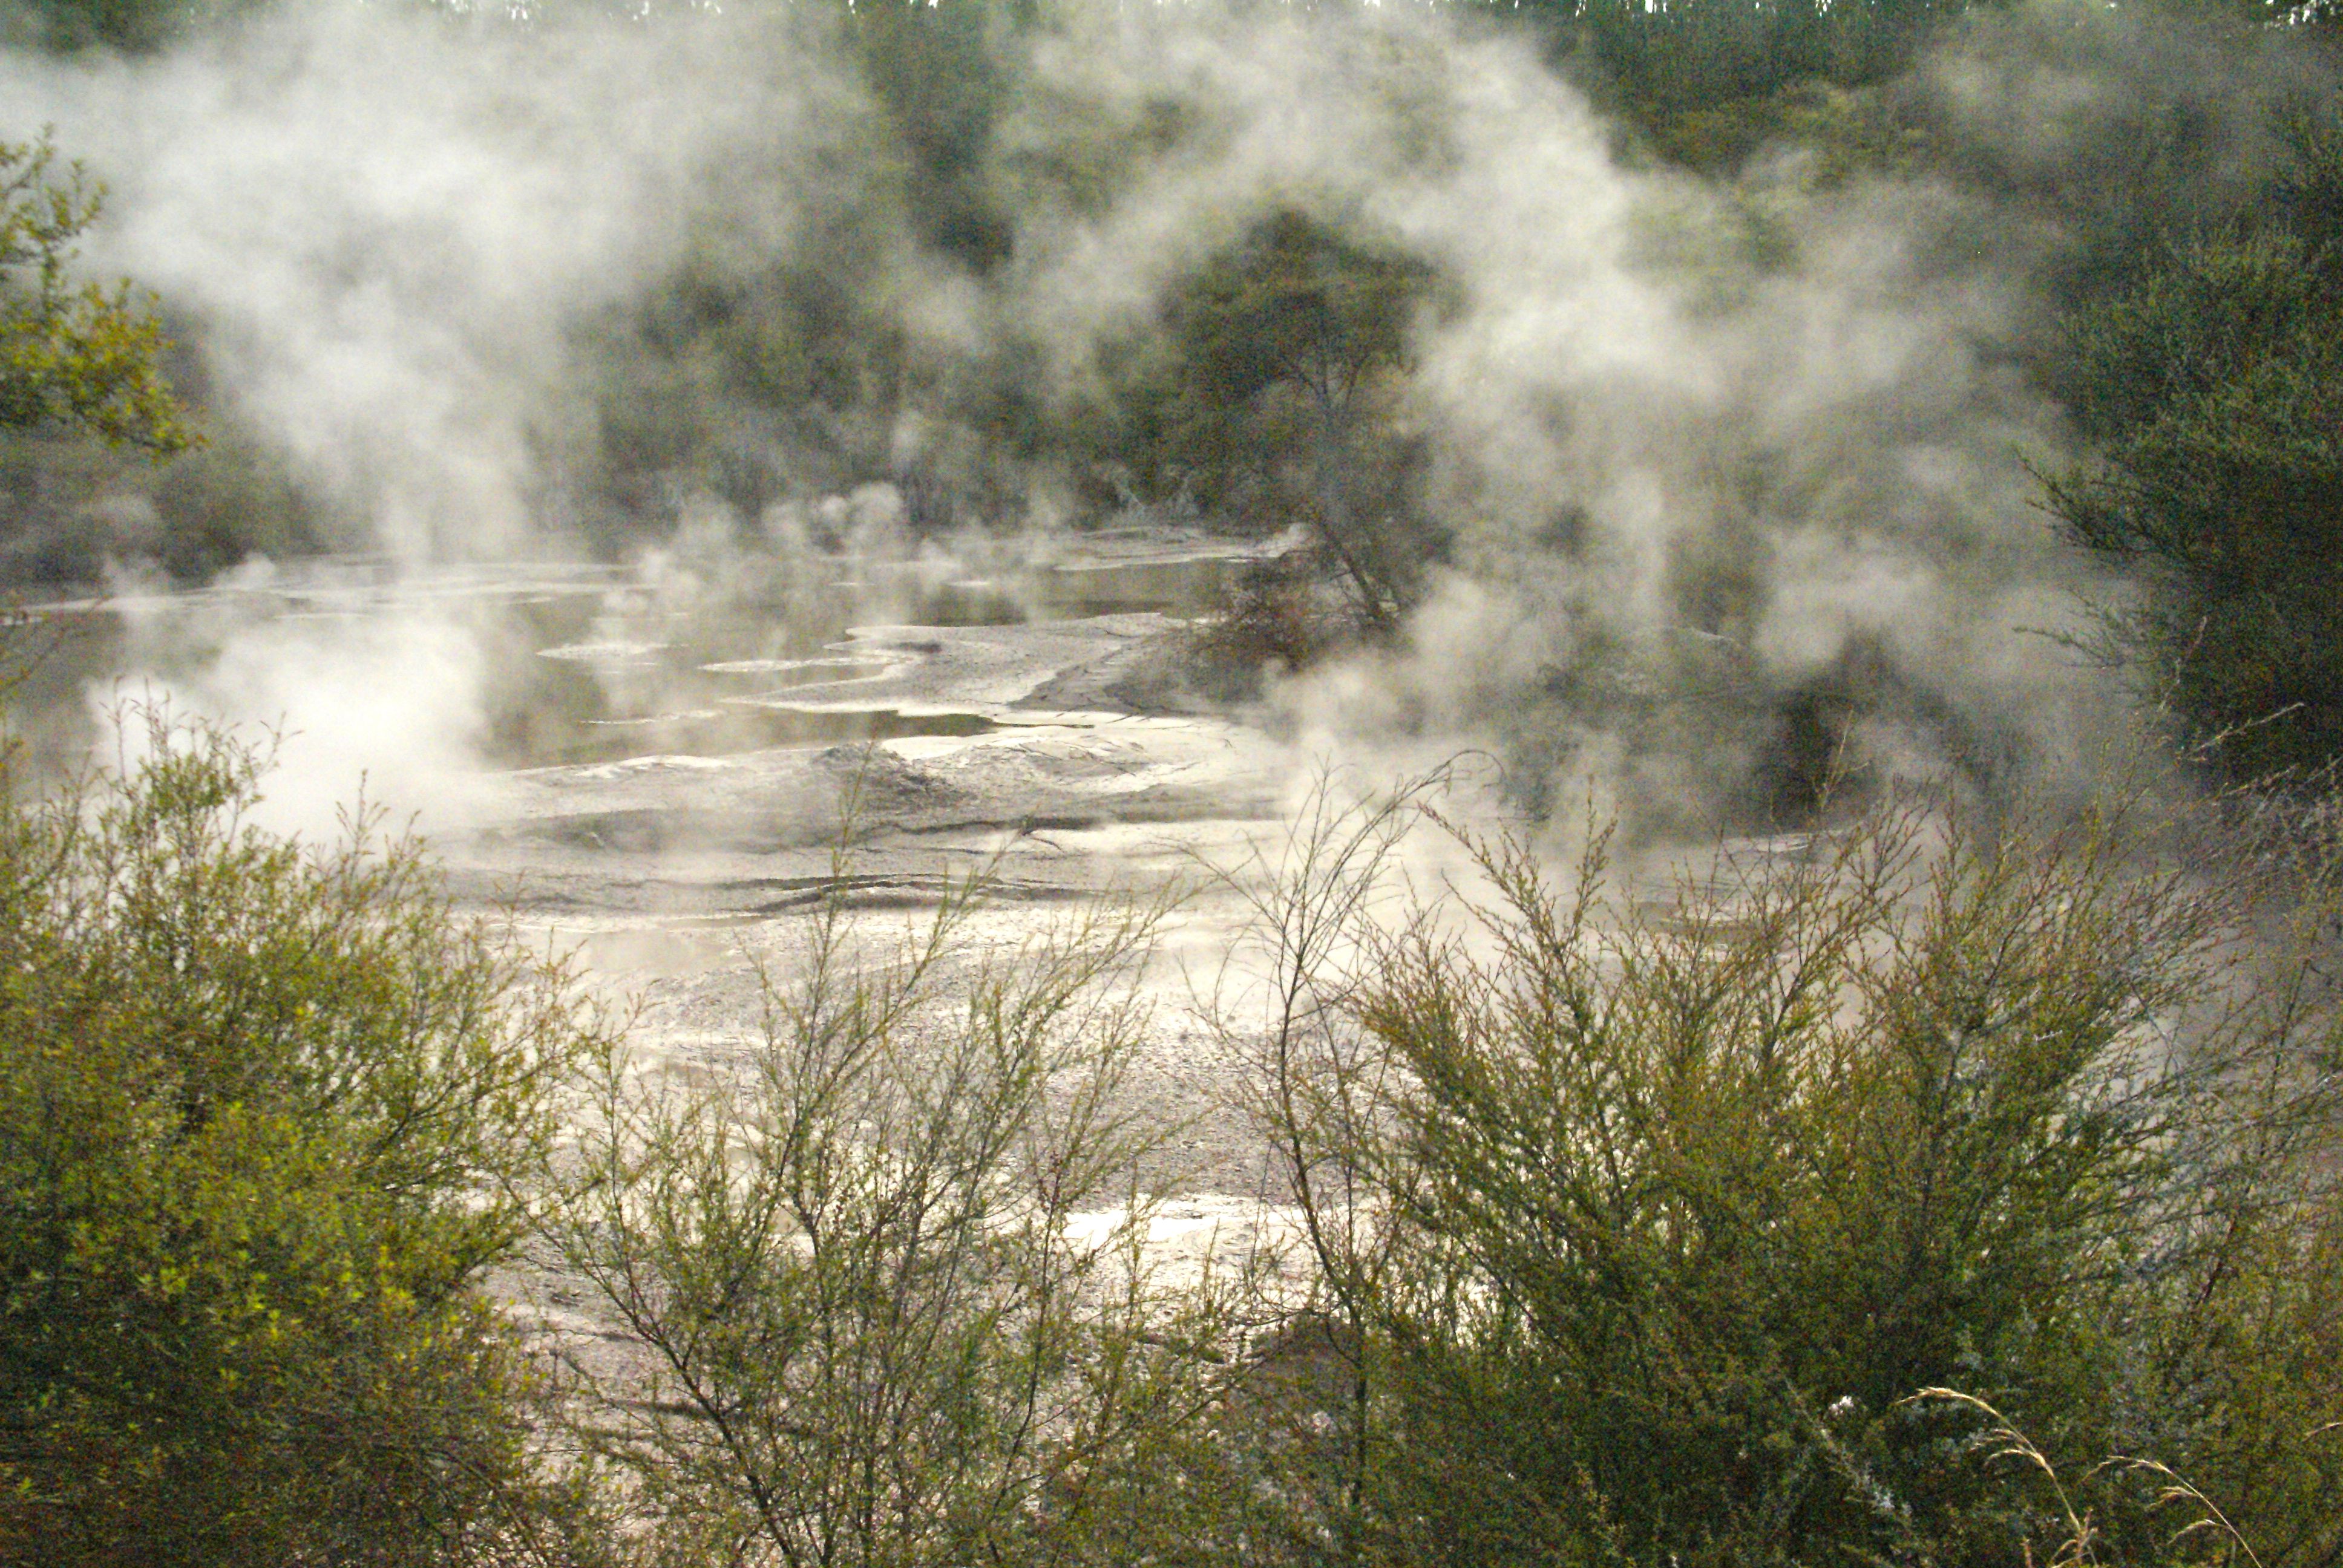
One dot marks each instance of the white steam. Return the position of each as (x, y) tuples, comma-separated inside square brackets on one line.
[(390, 226), (1763, 464), (1685, 436)]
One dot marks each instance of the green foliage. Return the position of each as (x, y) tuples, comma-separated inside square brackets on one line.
[(941, 74), (1643, 1219), (1626, 1229), (1289, 350), (232, 499), (82, 389), (262, 1111), (81, 356), (129, 26), (884, 1279), (1704, 83), (763, 375), (72, 504), (2214, 389), (745, 385)]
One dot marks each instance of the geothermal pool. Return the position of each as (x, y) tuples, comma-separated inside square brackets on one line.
[(663, 768)]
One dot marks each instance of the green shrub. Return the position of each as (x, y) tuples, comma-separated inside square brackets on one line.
[(263, 1111), (883, 1278), (1641, 1219), (77, 355)]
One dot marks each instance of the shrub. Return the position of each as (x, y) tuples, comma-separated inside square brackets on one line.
[(1641, 1220), (263, 1110), (82, 357), (884, 1279), (1268, 617)]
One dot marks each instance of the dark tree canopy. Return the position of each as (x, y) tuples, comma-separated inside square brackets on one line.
[(2214, 388), (1288, 346)]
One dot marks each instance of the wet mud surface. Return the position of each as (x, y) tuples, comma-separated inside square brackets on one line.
[(666, 769), (667, 775), (681, 878)]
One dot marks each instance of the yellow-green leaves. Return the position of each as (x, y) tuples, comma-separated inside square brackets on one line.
[(73, 354), (266, 1111)]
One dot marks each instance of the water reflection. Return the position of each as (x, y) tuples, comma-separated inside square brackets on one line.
[(568, 664)]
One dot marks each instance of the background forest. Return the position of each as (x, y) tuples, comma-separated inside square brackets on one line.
[(989, 257), (1870, 416), (925, 247)]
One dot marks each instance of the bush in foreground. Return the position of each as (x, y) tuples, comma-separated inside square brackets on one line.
[(262, 1111), (1626, 1227), (883, 1278), (1639, 1221)]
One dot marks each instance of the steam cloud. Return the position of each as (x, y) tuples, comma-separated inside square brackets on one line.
[(1701, 446)]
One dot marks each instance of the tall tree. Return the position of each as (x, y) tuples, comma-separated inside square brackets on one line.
[(1287, 343)]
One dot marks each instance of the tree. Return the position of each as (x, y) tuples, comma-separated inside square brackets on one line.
[(71, 355), (1288, 344), (264, 1114), (939, 75), (1705, 83), (123, 26)]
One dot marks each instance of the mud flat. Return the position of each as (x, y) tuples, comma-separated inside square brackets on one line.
[(668, 773), (675, 875)]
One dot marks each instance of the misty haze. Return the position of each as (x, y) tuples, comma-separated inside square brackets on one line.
[(950, 781)]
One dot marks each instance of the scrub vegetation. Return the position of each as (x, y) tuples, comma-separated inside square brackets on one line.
[(1642, 1226), (71, 354), (1951, 1182), (1762, 1220), (268, 1116)]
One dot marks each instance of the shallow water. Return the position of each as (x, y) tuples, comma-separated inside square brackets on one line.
[(587, 663), (664, 770)]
